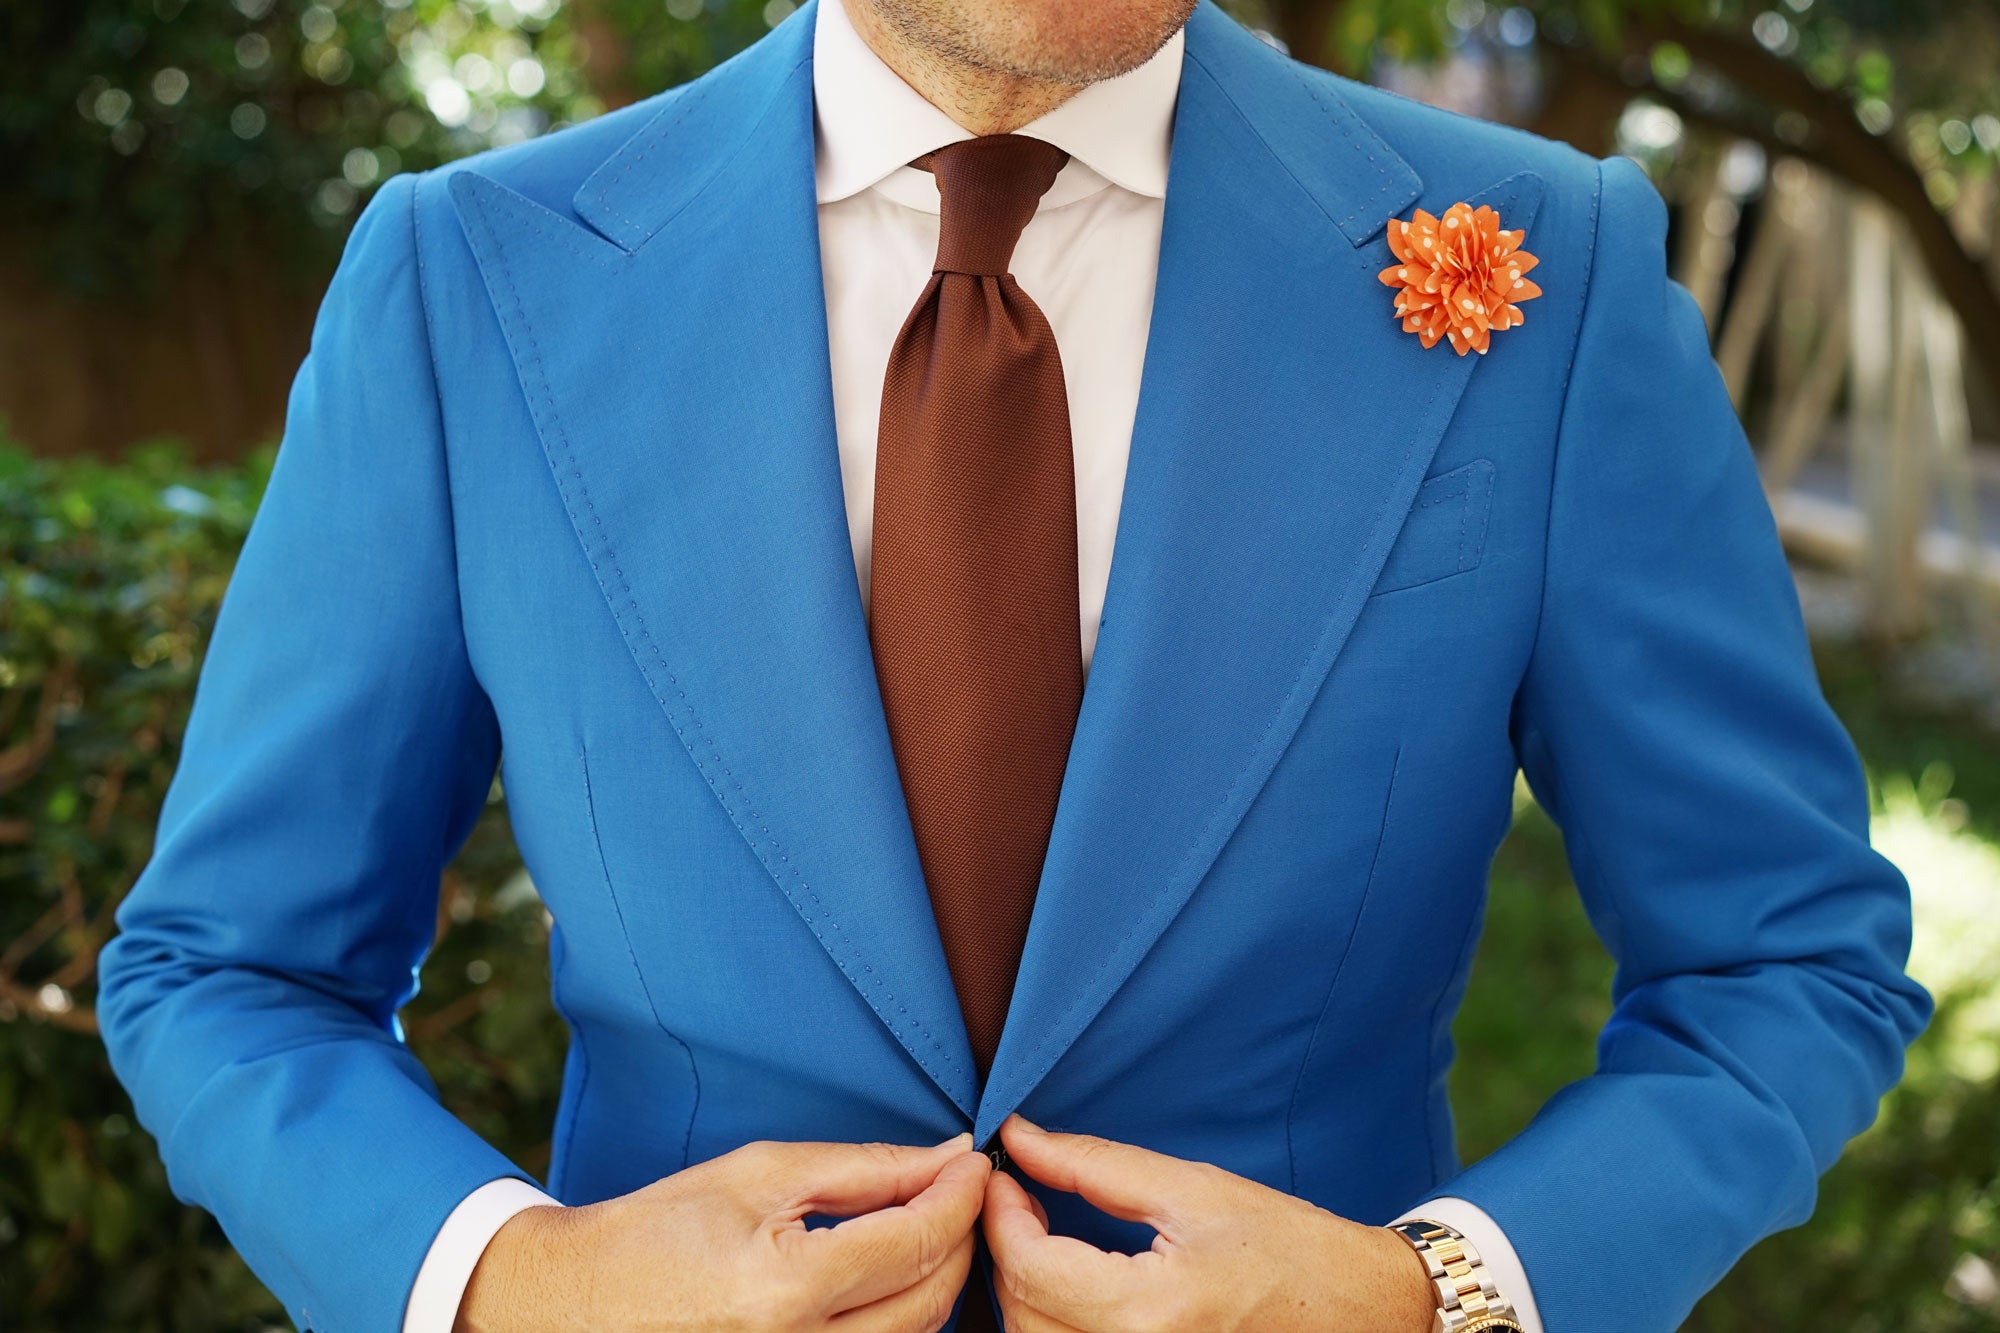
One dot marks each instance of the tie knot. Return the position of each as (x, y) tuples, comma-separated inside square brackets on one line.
[(987, 190)]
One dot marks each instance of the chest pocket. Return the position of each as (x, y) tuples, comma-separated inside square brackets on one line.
[(1445, 533)]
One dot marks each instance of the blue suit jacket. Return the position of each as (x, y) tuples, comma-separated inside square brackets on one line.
[(559, 489)]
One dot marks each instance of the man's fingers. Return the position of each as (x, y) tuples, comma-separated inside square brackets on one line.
[(922, 1305), (1041, 1213), (1005, 1195), (878, 1254), (1058, 1276), (1125, 1180), (842, 1179)]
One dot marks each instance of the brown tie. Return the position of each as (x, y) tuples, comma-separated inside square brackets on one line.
[(973, 593), (973, 599)]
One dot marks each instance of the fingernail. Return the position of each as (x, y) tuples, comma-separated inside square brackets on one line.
[(964, 1134), (1028, 1124)]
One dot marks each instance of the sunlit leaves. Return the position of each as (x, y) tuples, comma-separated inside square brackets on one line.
[(1923, 68), (137, 132)]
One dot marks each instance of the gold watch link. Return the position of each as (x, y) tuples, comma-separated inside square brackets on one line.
[(1468, 1302)]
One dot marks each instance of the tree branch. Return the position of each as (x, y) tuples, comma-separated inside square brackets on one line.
[(1837, 143)]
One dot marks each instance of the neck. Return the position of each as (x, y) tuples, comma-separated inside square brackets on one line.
[(979, 99)]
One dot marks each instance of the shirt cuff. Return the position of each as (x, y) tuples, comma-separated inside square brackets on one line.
[(1503, 1266), (455, 1251)]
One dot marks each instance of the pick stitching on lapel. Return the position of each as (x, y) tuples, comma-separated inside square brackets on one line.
[(675, 362), (1269, 477)]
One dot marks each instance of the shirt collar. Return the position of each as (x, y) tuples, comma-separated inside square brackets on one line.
[(869, 124)]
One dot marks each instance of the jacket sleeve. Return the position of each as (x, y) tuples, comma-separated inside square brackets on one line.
[(1715, 817), (337, 756)]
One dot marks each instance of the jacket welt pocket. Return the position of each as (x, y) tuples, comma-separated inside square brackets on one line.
[(1445, 532)]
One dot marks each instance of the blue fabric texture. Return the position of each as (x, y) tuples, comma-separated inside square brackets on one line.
[(559, 490)]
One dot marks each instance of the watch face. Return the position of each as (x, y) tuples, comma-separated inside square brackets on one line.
[(1492, 1322)]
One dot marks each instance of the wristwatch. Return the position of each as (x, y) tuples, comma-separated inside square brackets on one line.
[(1467, 1300)]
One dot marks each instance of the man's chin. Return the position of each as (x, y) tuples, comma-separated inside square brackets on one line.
[(1059, 41)]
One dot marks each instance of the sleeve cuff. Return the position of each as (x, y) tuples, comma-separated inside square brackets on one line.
[(448, 1264), (1495, 1251)]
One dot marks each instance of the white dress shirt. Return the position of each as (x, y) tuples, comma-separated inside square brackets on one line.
[(1088, 258)]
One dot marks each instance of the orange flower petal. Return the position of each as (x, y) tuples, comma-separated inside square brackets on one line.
[(1458, 277)]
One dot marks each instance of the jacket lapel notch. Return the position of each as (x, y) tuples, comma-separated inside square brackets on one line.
[(696, 134), (1348, 170)]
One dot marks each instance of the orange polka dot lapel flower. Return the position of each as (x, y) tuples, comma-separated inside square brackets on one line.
[(1459, 277)]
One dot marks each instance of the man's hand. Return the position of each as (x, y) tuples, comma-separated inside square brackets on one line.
[(1231, 1253), (723, 1246)]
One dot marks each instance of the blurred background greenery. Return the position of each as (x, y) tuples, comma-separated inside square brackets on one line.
[(180, 174)]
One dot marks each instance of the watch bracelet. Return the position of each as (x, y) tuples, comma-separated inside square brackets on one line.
[(1466, 1296)]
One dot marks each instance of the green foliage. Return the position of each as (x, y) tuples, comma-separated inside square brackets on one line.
[(1922, 67), (110, 576), (1912, 1198), (108, 579), (143, 134), (140, 132)]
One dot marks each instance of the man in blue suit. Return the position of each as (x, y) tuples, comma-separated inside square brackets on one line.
[(718, 470)]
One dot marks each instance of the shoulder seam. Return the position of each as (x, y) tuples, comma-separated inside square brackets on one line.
[(1562, 414), (424, 296), (437, 400)]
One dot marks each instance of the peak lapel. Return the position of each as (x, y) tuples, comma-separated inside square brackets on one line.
[(675, 361), (1284, 424)]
